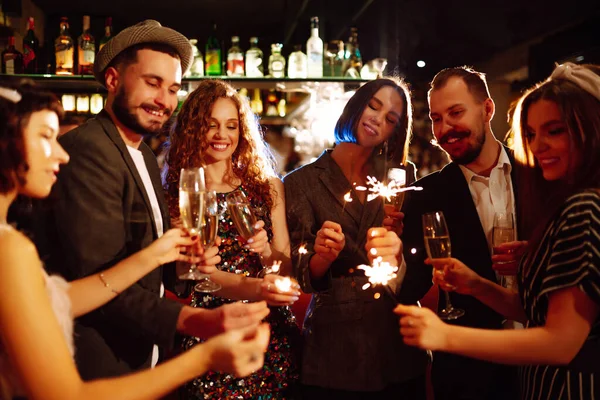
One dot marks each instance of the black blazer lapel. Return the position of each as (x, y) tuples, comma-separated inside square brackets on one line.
[(336, 183), (113, 134), (460, 212)]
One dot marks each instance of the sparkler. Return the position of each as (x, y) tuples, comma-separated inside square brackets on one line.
[(380, 189), (380, 273), (283, 284)]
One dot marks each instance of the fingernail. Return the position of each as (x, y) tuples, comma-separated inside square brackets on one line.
[(246, 247), (250, 241), (295, 298)]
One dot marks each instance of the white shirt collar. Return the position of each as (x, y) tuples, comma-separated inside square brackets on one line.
[(503, 162)]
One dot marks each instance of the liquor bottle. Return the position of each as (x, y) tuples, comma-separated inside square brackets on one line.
[(31, 49), (63, 49), (254, 60), (86, 49), (12, 59), (297, 63), (353, 59), (314, 50), (276, 61), (212, 54), (235, 58), (256, 103), (107, 33), (197, 68)]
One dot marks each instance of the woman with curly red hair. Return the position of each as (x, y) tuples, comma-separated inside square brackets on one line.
[(216, 129)]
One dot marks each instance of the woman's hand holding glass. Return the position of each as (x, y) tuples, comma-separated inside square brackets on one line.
[(279, 290), (454, 276), (330, 241), (507, 256)]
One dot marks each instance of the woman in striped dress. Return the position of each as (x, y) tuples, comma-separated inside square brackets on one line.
[(557, 132)]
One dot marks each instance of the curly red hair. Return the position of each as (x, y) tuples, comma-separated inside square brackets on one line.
[(252, 162)]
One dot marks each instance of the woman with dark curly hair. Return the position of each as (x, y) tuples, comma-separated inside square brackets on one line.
[(216, 129)]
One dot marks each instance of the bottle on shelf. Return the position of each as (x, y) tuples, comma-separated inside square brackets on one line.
[(86, 49), (314, 50), (12, 59), (276, 61), (63, 49), (108, 33), (256, 103), (352, 59), (31, 49), (254, 60), (212, 54), (297, 63), (235, 58), (197, 68)]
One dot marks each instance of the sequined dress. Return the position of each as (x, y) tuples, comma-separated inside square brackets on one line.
[(279, 377)]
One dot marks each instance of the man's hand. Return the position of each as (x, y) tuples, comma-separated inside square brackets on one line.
[(204, 323)]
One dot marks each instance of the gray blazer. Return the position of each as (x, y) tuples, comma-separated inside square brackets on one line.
[(352, 340)]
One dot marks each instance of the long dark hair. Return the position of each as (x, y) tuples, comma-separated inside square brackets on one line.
[(541, 199), (397, 145)]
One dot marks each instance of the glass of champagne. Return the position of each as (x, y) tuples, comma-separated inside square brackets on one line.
[(207, 236), (437, 243), (503, 232), (191, 204), (398, 176), (243, 218)]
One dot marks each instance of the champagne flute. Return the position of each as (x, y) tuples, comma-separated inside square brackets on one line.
[(398, 176), (503, 232), (437, 243), (208, 235), (191, 206), (243, 218)]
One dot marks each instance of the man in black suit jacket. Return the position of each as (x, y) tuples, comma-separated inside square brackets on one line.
[(108, 203), (478, 181)]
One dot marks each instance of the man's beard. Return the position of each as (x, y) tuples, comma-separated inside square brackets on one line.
[(472, 151), (130, 120)]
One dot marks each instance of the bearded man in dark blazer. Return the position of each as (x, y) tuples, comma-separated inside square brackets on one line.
[(477, 183)]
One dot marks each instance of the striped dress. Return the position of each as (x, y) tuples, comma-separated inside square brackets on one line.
[(568, 255)]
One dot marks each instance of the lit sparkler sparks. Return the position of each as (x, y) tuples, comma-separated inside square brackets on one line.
[(283, 284), (302, 249), (380, 273), (348, 197), (380, 189), (274, 269)]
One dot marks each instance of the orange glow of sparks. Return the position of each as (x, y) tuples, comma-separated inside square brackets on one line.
[(380, 273)]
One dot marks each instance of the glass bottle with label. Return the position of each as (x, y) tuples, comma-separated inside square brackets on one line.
[(63, 49), (235, 58), (276, 61), (297, 63), (212, 54), (314, 50), (86, 49), (254, 60), (31, 49), (12, 59), (107, 33)]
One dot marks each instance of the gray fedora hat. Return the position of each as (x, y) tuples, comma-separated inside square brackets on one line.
[(148, 31)]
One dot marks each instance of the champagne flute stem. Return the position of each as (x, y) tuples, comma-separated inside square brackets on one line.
[(448, 303)]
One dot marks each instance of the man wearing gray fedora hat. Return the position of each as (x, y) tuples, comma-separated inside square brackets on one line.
[(108, 204)]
